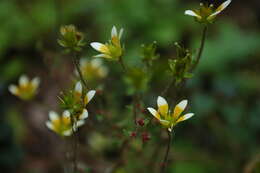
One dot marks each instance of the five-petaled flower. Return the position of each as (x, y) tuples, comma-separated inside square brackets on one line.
[(113, 49), (167, 118), (206, 14), (64, 125), (25, 89), (93, 69)]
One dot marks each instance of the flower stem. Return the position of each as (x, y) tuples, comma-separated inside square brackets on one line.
[(164, 163), (75, 61), (75, 148), (121, 62), (202, 43), (168, 86)]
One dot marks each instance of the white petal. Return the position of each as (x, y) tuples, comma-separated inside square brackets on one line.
[(223, 5), (220, 8), (165, 122), (80, 123), (36, 82), (161, 101), (113, 32), (90, 95), (153, 111), (66, 113), (187, 116), (102, 56), (67, 132), (97, 46), (78, 87), (96, 62), (84, 114), (49, 125), (191, 13), (121, 33), (53, 116), (13, 89), (183, 104), (23, 80)]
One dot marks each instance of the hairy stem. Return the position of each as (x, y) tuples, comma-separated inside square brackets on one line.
[(164, 163), (202, 43)]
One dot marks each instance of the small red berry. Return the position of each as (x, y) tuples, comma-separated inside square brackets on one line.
[(133, 134), (140, 122), (145, 137)]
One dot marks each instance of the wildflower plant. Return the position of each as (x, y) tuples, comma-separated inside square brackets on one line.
[(74, 103)]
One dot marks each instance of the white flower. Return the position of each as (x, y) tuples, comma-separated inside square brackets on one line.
[(167, 118), (112, 50), (93, 69), (62, 125), (25, 89), (207, 14)]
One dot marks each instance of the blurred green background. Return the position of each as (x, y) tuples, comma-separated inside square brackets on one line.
[(224, 93)]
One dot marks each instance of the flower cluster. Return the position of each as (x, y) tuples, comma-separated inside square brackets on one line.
[(207, 13), (167, 118), (25, 89), (74, 105), (112, 50)]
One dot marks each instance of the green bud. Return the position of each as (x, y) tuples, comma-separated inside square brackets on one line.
[(148, 53), (71, 39), (180, 67)]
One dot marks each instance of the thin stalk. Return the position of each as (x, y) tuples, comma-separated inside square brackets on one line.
[(168, 86), (75, 61), (165, 160), (75, 148), (121, 62), (202, 43)]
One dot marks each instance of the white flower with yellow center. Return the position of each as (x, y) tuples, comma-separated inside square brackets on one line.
[(25, 89), (207, 14), (78, 91), (62, 125), (93, 69), (167, 118), (112, 50)]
